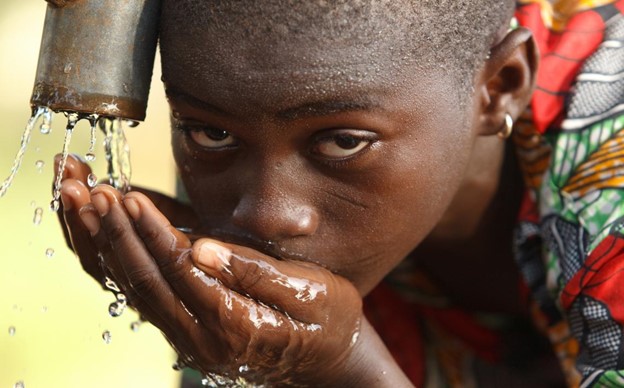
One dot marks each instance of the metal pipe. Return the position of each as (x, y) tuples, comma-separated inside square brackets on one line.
[(97, 56)]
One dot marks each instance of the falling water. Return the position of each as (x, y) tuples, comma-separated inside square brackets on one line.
[(115, 144), (20, 153), (117, 154), (72, 119), (90, 156), (46, 124)]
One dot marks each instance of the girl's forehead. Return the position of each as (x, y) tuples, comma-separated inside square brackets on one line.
[(288, 74)]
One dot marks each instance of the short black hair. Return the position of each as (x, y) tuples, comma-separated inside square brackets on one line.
[(452, 35)]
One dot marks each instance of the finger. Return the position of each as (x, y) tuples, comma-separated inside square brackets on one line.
[(75, 196), (139, 277), (74, 169), (297, 288), (204, 295)]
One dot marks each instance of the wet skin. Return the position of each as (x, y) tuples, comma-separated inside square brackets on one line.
[(331, 184)]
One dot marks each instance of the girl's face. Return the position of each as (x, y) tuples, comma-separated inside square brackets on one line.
[(327, 153)]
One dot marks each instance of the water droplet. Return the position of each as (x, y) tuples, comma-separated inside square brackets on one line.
[(11, 331), (46, 124), (37, 216), (107, 337), (44, 309), (134, 326), (50, 253), (33, 204), (39, 165), (19, 384), (92, 180), (67, 69), (55, 204), (110, 283), (178, 365), (116, 308), (90, 157)]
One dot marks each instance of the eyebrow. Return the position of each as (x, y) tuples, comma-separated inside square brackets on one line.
[(313, 109)]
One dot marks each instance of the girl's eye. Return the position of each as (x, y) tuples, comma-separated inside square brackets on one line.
[(343, 145), (212, 138)]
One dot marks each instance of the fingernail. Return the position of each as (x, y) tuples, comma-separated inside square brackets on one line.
[(67, 202), (212, 255), (90, 219), (132, 206), (100, 202)]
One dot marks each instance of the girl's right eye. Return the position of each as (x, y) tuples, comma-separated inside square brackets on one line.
[(210, 138)]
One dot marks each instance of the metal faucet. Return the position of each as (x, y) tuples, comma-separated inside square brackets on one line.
[(97, 56)]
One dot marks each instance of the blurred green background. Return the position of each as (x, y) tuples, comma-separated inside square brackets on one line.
[(57, 311)]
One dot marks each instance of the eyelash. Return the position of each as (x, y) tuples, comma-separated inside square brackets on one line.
[(327, 137), (189, 129)]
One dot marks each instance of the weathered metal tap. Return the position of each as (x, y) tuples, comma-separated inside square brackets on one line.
[(97, 56)]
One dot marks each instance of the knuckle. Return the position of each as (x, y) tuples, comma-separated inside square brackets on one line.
[(143, 281), (153, 235), (249, 276), (174, 272), (116, 231)]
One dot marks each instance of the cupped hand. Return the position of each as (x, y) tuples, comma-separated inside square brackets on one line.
[(226, 309), (76, 195)]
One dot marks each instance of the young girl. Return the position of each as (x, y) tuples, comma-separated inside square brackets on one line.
[(325, 146)]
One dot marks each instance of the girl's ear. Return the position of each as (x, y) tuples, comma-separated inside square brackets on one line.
[(507, 80)]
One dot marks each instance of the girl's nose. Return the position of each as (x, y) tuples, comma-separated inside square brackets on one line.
[(272, 215)]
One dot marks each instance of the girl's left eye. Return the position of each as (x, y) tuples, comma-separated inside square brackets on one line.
[(343, 144), (212, 138)]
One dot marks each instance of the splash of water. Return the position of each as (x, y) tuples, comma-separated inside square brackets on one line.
[(17, 162), (213, 380)]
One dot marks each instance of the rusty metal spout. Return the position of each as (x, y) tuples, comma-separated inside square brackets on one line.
[(97, 56)]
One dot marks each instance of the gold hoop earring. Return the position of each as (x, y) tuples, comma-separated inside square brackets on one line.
[(507, 129)]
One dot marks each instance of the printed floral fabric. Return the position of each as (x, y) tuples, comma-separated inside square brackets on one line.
[(569, 243)]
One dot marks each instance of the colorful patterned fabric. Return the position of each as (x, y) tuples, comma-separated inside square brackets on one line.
[(569, 242)]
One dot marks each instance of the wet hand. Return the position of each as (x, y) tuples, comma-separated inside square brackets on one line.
[(76, 194), (226, 309)]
